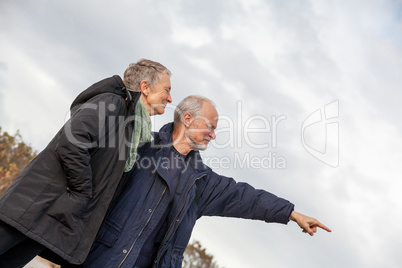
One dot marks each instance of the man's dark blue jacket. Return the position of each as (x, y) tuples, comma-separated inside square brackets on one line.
[(200, 192)]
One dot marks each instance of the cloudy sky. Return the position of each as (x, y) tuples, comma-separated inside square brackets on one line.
[(308, 92)]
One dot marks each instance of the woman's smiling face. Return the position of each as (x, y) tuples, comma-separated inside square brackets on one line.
[(156, 98)]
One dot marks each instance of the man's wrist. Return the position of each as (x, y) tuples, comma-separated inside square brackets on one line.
[(293, 216)]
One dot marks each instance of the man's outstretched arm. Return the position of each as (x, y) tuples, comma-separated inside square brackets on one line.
[(308, 224)]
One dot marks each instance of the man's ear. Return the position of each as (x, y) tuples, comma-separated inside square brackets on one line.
[(187, 119), (144, 87)]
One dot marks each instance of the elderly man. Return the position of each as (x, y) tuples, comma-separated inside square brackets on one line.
[(60, 199), (169, 188)]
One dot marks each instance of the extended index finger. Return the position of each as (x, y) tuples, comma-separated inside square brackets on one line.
[(322, 226)]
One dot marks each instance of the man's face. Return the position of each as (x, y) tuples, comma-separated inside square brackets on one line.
[(159, 96), (202, 129)]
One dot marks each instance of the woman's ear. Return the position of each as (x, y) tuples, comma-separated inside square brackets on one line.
[(144, 87)]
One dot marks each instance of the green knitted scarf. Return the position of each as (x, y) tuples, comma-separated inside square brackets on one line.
[(141, 133)]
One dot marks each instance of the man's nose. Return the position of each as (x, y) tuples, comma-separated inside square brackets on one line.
[(169, 98), (212, 134)]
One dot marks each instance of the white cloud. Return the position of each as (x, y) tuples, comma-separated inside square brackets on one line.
[(193, 37), (32, 100)]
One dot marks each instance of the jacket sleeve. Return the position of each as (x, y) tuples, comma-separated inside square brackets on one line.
[(222, 196), (80, 137)]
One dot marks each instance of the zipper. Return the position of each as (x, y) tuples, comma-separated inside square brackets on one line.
[(184, 203), (143, 228)]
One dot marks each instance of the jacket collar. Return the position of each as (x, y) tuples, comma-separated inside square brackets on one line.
[(165, 141)]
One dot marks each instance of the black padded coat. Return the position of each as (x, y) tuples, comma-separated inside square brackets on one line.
[(61, 197)]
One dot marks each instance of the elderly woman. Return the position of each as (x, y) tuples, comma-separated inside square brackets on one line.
[(60, 199)]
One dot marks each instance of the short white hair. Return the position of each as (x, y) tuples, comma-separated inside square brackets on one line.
[(148, 70), (191, 104)]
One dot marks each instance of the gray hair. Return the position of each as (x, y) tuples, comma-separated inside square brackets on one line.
[(191, 104), (144, 69)]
